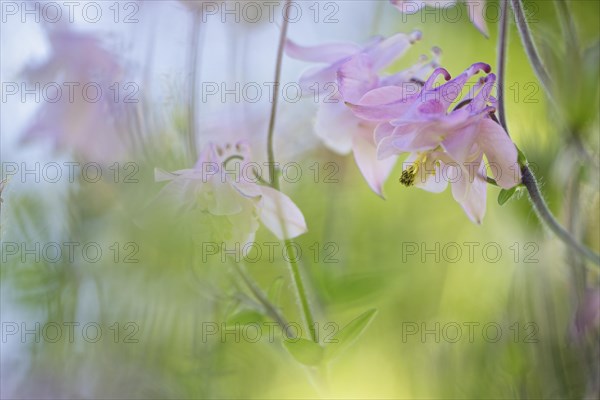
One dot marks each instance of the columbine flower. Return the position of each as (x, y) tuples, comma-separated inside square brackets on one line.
[(445, 145), (475, 9), (82, 116), (586, 323), (221, 187), (350, 71)]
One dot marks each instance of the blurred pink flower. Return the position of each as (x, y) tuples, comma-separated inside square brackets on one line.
[(350, 71), (80, 106), (475, 8), (221, 186), (445, 146), (586, 323)]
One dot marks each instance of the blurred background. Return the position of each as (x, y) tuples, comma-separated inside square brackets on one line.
[(106, 294)]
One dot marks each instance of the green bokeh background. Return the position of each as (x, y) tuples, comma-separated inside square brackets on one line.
[(171, 292)]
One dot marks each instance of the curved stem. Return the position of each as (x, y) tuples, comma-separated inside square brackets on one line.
[(568, 25), (274, 180), (275, 97), (502, 47), (546, 216), (301, 291), (264, 300), (529, 45), (528, 179), (196, 32)]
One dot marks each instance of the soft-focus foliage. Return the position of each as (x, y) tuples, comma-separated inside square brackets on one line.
[(389, 281)]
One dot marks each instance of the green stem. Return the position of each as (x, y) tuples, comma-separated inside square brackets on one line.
[(502, 48), (263, 299), (301, 291), (196, 32), (567, 25), (279, 62), (530, 48), (274, 181), (546, 216), (528, 179)]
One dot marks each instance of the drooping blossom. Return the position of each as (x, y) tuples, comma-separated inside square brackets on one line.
[(586, 323), (446, 144), (82, 94), (223, 187), (475, 8), (349, 71)]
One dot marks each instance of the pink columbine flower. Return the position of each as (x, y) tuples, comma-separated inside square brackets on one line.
[(446, 144), (475, 8), (586, 323), (80, 113), (223, 186), (349, 71)]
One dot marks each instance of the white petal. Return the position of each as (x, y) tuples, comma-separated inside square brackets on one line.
[(500, 152), (373, 170), (336, 125), (472, 195), (280, 215)]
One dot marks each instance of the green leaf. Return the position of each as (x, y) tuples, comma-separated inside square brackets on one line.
[(305, 351), (506, 194), (274, 293), (342, 340), (246, 317), (521, 159)]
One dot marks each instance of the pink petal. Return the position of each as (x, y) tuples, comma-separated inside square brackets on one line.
[(408, 7), (434, 183), (458, 144), (320, 80), (356, 77), (500, 152), (382, 131), (336, 125), (381, 104), (422, 136), (472, 195), (161, 175), (384, 53), (412, 6), (385, 95), (386, 148), (480, 103), (280, 215), (373, 170), (227, 201), (477, 17), (402, 141), (326, 53)]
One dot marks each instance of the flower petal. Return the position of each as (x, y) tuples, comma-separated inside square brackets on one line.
[(160, 175), (336, 125), (356, 77), (373, 170), (459, 144), (501, 153), (412, 6), (325, 53), (381, 104), (320, 80), (435, 182), (226, 200), (390, 49), (471, 195), (280, 215), (477, 16)]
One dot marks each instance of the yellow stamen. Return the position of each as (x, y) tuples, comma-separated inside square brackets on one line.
[(408, 175)]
